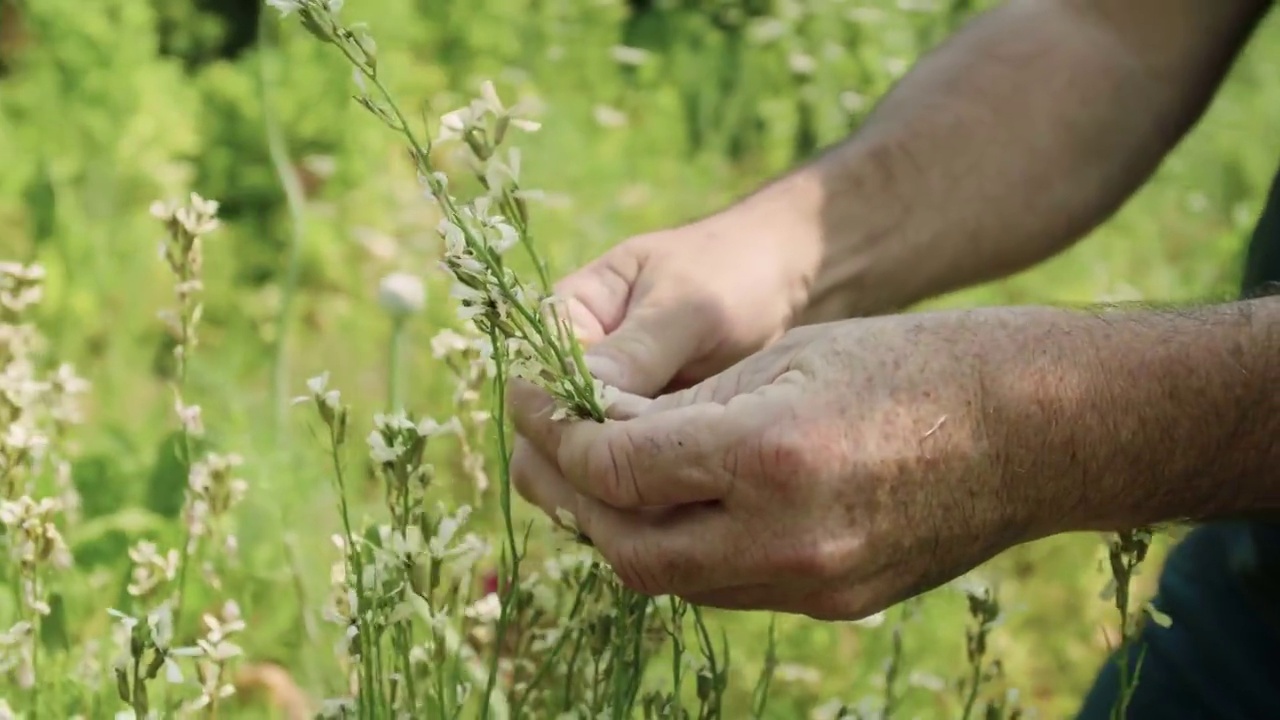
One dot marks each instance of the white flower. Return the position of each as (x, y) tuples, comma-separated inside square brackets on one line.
[(190, 417), (286, 6), (448, 342), (429, 427), (626, 55), (507, 238), (486, 609), (802, 63), (466, 294), (128, 621), (380, 451), (454, 124), (455, 242), (402, 294), (609, 116), (871, 621), (490, 96), (320, 393)]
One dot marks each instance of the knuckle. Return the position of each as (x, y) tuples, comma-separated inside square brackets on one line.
[(610, 473), (823, 560), (787, 456)]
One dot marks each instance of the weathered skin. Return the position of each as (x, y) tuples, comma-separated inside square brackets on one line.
[(833, 469)]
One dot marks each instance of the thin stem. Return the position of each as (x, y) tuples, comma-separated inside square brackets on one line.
[(504, 475), (35, 663), (394, 350), (761, 694), (295, 198)]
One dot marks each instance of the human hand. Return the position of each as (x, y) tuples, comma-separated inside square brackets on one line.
[(662, 311), (847, 467)]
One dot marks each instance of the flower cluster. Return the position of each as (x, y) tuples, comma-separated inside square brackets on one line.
[(470, 360), (38, 406), (213, 656), (395, 579), (147, 651), (213, 490), (34, 544), (521, 330), (185, 229)]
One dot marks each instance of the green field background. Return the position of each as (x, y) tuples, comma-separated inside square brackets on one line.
[(108, 105)]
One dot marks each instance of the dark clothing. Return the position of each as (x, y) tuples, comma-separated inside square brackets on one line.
[(1220, 659)]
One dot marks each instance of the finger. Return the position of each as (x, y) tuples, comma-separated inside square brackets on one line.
[(683, 550), (540, 483), (652, 344), (598, 293), (686, 455)]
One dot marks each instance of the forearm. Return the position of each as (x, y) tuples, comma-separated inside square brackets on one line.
[(1138, 417), (1009, 142)]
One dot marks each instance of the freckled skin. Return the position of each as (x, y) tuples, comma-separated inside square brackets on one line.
[(834, 469), (855, 464)]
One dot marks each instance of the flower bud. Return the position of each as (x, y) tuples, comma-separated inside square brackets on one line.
[(402, 294), (122, 683)]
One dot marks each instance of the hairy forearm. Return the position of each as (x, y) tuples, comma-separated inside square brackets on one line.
[(1136, 417), (1010, 141)]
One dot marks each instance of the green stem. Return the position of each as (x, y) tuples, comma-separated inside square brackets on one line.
[(355, 570), (295, 198), (760, 697), (504, 618), (394, 350)]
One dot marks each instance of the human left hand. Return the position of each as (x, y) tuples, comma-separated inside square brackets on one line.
[(845, 468)]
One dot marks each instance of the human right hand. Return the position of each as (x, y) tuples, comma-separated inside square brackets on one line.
[(662, 311)]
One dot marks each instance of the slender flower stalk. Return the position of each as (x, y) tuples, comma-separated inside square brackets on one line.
[(1125, 553), (401, 296), (529, 338), (185, 228), (37, 407)]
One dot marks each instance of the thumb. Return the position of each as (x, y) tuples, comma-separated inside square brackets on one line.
[(648, 349)]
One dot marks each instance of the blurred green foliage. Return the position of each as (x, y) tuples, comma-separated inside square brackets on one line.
[(654, 111)]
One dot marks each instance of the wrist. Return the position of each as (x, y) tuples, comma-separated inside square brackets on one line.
[(1143, 417), (833, 226)]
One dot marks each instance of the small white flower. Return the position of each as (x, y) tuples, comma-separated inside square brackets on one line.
[(128, 621), (320, 393), (455, 242), (318, 383), (380, 451), (454, 123), (487, 609), (402, 294), (490, 96), (190, 418), (802, 63), (608, 116), (626, 55), (286, 6), (428, 427), (871, 621), (466, 294), (507, 238)]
